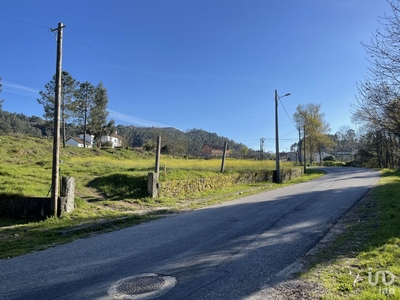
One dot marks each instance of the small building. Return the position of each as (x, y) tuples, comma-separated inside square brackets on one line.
[(114, 139), (316, 157), (77, 142), (89, 138), (292, 156), (213, 151), (288, 156)]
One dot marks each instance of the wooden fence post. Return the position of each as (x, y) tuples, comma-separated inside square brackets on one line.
[(223, 157)]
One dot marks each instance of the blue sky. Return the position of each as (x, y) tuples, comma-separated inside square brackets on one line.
[(205, 64)]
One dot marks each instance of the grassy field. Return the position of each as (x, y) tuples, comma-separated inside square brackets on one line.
[(26, 164), (364, 262), (111, 190)]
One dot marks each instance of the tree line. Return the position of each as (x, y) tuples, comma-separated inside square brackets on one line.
[(176, 142)]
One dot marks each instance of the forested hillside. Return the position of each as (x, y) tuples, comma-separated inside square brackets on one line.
[(174, 141)]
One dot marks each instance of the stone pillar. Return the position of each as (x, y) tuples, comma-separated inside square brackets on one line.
[(67, 199), (152, 184)]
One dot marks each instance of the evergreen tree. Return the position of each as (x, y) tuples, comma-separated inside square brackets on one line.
[(68, 105), (98, 113), (84, 103)]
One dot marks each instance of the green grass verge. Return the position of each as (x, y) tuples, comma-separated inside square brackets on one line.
[(370, 247)]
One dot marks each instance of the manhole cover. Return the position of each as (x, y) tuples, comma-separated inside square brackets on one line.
[(140, 285), (143, 286)]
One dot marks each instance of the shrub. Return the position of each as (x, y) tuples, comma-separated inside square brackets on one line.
[(329, 158)]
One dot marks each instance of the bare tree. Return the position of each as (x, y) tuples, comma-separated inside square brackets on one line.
[(378, 100)]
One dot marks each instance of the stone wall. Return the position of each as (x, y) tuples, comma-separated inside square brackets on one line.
[(39, 207), (178, 188)]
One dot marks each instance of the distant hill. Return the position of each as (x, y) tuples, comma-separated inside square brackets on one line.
[(173, 141)]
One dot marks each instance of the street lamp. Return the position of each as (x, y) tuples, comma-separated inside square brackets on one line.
[(277, 174)]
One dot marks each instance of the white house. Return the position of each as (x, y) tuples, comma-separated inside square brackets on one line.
[(77, 142), (114, 139), (89, 138), (288, 156), (316, 156)]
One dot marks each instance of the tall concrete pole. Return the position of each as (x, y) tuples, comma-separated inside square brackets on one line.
[(304, 148), (56, 142), (278, 171), (277, 175)]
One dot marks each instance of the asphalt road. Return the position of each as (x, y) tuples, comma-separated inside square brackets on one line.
[(228, 251)]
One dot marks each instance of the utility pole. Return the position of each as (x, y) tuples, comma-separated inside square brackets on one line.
[(223, 157), (56, 143), (158, 154), (278, 171), (304, 148), (277, 179), (262, 140), (85, 116), (298, 147)]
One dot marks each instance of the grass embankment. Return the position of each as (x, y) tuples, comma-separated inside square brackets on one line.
[(370, 247), (111, 184)]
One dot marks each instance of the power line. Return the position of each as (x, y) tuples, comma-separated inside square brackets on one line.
[(287, 113), (29, 23), (140, 71), (133, 68), (162, 81), (289, 133)]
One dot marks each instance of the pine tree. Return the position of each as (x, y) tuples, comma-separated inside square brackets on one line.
[(84, 104), (99, 113), (68, 105)]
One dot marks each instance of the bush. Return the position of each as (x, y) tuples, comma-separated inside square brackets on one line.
[(332, 164), (329, 158)]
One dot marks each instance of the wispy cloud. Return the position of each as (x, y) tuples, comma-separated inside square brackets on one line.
[(18, 89), (134, 120)]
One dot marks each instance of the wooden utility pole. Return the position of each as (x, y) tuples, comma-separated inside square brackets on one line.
[(223, 157), (304, 148), (158, 154), (298, 147), (56, 143)]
